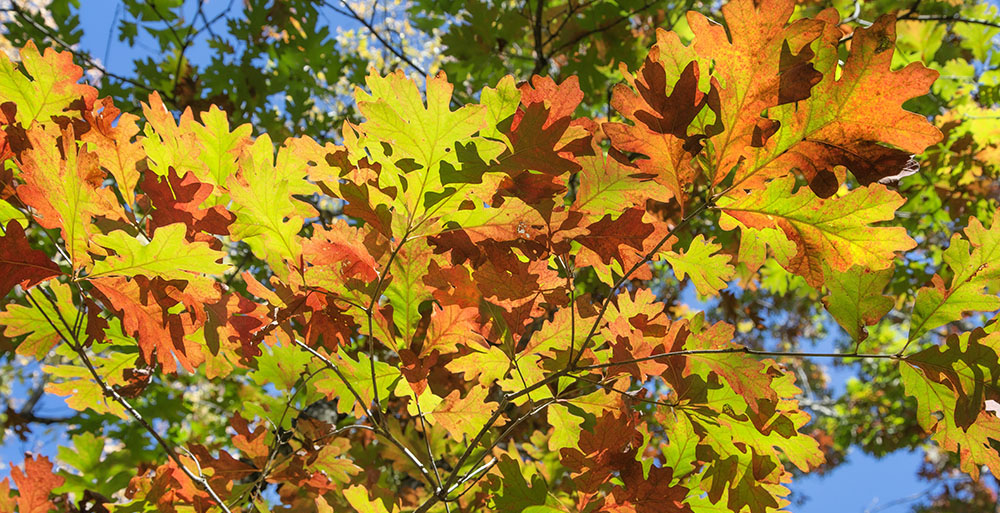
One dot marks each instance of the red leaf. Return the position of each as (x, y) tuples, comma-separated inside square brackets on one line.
[(660, 123), (602, 451), (177, 200), (652, 494), (340, 247), (608, 235), (536, 136), (20, 264)]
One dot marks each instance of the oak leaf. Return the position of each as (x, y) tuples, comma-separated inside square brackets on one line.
[(975, 273), (709, 271), (463, 416), (34, 484), (20, 264), (951, 384), (853, 118), (856, 301), (49, 89), (834, 232)]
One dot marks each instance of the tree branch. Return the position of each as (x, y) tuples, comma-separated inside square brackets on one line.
[(955, 18), (746, 350), (74, 344), (911, 14), (607, 26), (351, 13), (377, 427), (84, 57), (540, 60), (371, 323)]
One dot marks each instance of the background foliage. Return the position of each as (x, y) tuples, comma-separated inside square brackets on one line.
[(286, 69)]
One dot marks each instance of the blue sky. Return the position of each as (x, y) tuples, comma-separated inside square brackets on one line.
[(863, 484)]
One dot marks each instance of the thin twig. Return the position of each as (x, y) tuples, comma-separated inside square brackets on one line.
[(351, 13), (451, 485), (111, 30), (82, 56), (427, 441), (453, 476), (377, 427), (540, 60), (74, 344), (607, 26), (746, 350), (570, 11), (481, 471), (955, 19), (912, 15), (370, 311)]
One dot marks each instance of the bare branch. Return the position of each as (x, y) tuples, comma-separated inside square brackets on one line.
[(746, 350)]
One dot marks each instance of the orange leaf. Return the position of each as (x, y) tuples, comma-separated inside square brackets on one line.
[(35, 484)]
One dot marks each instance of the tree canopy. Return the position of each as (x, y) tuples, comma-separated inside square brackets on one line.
[(538, 257)]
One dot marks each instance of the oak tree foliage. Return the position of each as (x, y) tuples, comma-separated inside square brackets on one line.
[(482, 300)]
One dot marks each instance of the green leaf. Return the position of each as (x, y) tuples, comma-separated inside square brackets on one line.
[(856, 299), (709, 270), (282, 366), (168, 255), (566, 427), (951, 384), (835, 232), (406, 292), (417, 138), (357, 497), (49, 90), (975, 280), (219, 146), (81, 391), (268, 217), (357, 376), (41, 334), (514, 493)]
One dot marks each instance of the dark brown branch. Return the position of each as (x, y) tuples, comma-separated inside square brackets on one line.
[(912, 15), (745, 350), (427, 441), (570, 11), (541, 61), (31, 418), (607, 26), (82, 56), (182, 43), (74, 344), (479, 473), (956, 19), (351, 13)]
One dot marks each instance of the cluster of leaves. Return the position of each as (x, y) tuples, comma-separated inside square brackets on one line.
[(474, 328)]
